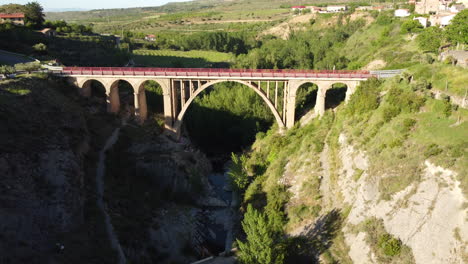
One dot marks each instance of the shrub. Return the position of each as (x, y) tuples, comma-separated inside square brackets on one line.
[(261, 246), (5, 69), (408, 123), (384, 18), (238, 177), (432, 150), (365, 99), (28, 67), (390, 245), (389, 113), (411, 26), (405, 100), (430, 39), (41, 47), (429, 59)]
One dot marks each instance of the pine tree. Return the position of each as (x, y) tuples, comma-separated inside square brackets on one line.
[(260, 247)]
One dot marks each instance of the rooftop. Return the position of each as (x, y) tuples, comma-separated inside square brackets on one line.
[(15, 15)]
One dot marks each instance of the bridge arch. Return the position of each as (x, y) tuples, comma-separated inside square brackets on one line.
[(92, 87), (149, 96), (335, 94), (121, 91), (306, 98), (180, 116)]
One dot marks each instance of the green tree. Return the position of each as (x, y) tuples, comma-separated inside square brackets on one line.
[(40, 47), (28, 67), (237, 175), (411, 26), (457, 31), (5, 69), (366, 97), (260, 247), (34, 14), (430, 39)]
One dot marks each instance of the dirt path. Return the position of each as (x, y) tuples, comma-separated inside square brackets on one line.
[(101, 169), (325, 187)]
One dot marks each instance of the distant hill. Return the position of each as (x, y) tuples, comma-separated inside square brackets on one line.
[(65, 9)]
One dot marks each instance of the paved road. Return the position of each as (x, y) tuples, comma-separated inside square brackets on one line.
[(12, 59)]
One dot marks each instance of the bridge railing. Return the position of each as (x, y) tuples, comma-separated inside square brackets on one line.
[(210, 72)]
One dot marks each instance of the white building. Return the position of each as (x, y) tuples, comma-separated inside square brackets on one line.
[(457, 8), (336, 8), (402, 13), (441, 20), (422, 20), (446, 20)]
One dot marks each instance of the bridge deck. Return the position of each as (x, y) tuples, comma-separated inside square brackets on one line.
[(219, 73)]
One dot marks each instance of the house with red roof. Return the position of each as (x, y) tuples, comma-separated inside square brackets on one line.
[(150, 37), (300, 8), (16, 18)]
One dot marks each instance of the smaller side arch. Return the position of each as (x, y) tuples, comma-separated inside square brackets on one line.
[(180, 116), (141, 98)]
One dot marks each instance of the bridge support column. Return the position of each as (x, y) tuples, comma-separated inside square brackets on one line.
[(113, 100), (321, 94), (86, 89), (291, 103), (351, 89), (141, 109), (166, 86)]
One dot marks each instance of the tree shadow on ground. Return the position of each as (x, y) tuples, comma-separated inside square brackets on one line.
[(315, 239)]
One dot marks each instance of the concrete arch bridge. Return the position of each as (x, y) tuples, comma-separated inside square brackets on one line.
[(180, 87)]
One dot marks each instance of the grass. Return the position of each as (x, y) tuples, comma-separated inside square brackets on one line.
[(371, 43), (188, 59), (446, 78)]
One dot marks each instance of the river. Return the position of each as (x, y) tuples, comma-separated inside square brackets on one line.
[(219, 223)]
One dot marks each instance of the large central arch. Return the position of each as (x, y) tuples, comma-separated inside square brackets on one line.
[(180, 116)]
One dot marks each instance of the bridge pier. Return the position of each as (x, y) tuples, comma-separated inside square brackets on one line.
[(351, 90), (320, 101)]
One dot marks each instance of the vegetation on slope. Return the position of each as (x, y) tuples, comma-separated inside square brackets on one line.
[(393, 121)]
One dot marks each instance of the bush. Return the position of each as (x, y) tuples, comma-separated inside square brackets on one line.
[(41, 47), (261, 246), (238, 177), (411, 26), (389, 113), (28, 67), (384, 18), (390, 245), (429, 59), (5, 69), (432, 150), (365, 99), (408, 123), (430, 39), (406, 101)]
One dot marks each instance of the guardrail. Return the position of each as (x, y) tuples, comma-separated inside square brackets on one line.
[(209, 72), (386, 73)]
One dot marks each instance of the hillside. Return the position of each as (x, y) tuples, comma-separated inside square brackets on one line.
[(199, 15), (379, 178), (363, 174)]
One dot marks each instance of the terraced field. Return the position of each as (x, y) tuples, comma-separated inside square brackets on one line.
[(185, 59)]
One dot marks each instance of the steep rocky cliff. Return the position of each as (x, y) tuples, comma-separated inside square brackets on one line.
[(43, 139), (382, 179)]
